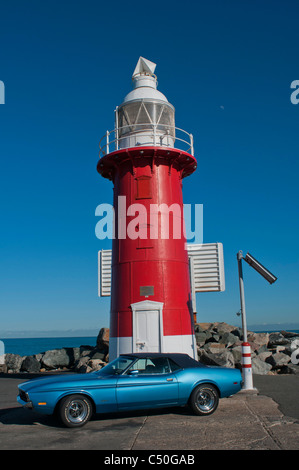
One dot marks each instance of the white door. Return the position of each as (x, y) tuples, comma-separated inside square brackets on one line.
[(147, 331)]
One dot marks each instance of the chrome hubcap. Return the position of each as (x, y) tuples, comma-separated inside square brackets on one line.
[(77, 411), (205, 400)]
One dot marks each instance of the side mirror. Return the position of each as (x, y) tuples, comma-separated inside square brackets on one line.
[(134, 372)]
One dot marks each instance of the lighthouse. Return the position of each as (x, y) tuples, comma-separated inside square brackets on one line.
[(147, 158)]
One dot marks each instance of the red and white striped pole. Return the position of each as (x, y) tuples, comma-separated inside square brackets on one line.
[(246, 367), (246, 350)]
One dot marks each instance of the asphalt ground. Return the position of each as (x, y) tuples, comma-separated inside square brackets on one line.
[(267, 420)]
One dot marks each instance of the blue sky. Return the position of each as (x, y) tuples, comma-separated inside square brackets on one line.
[(226, 66)]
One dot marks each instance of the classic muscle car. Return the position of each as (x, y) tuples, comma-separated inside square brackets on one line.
[(132, 381)]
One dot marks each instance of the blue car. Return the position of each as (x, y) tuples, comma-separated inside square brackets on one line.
[(130, 382)]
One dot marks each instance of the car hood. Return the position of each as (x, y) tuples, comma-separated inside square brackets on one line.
[(62, 381)]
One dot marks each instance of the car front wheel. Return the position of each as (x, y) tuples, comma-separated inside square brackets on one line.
[(75, 410), (204, 399)]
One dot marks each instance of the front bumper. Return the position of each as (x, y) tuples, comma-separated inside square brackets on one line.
[(23, 399), (25, 404)]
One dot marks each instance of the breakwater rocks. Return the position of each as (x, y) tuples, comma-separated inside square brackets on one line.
[(271, 353), (82, 359), (217, 344)]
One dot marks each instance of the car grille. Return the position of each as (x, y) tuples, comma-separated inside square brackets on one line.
[(23, 395)]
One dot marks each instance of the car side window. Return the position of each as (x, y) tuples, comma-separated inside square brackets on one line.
[(174, 366), (157, 365)]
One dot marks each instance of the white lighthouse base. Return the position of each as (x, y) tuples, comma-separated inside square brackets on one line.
[(168, 344)]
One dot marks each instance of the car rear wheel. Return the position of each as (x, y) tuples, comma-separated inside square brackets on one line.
[(204, 399), (75, 411)]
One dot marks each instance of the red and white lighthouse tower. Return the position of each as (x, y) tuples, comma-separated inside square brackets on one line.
[(151, 307)]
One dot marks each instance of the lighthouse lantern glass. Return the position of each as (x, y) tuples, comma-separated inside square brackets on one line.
[(146, 122)]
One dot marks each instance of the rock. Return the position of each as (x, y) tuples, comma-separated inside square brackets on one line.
[(3, 368), (198, 328), (214, 348), (224, 358), (81, 365), (96, 354), (229, 339), (277, 339), (260, 367), (262, 349), (13, 362), (237, 353), (214, 338), (205, 326), (264, 355), (289, 334), (289, 369), (278, 360), (200, 338), (103, 339), (222, 327), (96, 364), (85, 369), (56, 358), (237, 332), (259, 339), (30, 364)]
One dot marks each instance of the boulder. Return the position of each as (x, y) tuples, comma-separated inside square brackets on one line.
[(214, 348), (278, 360), (289, 369), (57, 358), (103, 339), (200, 338), (96, 364), (30, 364), (237, 353), (264, 355), (259, 339), (222, 327), (13, 362), (289, 334), (276, 339), (224, 358), (81, 365), (259, 366), (96, 354), (228, 339)]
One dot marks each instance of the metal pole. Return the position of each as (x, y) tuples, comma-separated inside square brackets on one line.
[(242, 296), (246, 350)]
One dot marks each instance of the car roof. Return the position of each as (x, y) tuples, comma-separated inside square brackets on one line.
[(182, 360)]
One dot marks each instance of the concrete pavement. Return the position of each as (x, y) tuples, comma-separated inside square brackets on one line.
[(245, 421)]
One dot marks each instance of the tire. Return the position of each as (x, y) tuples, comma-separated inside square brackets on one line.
[(204, 399), (75, 411)]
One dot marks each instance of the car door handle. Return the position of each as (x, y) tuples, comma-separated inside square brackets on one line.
[(169, 380)]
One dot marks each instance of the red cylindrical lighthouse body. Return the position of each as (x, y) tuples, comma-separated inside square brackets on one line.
[(150, 269)]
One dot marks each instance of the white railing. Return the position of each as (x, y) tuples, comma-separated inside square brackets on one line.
[(160, 135)]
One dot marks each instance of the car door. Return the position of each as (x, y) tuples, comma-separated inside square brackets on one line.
[(149, 383)]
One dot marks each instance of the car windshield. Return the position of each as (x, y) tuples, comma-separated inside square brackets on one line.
[(117, 366)]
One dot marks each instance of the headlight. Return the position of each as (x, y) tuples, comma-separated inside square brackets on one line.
[(24, 396)]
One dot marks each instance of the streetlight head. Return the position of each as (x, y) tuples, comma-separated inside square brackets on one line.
[(255, 264)]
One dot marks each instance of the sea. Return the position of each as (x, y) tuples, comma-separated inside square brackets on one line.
[(30, 346)]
